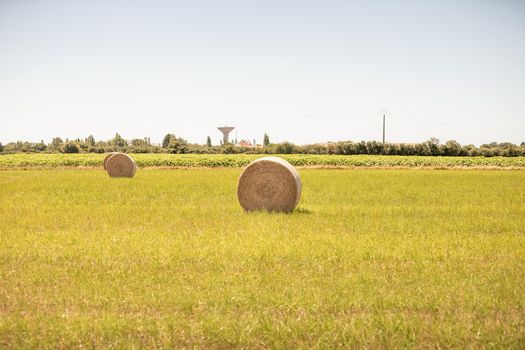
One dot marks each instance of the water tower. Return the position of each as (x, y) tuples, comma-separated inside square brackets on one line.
[(225, 131)]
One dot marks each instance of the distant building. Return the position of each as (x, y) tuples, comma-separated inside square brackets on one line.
[(245, 143), (248, 144)]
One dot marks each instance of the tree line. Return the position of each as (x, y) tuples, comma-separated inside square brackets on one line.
[(177, 145)]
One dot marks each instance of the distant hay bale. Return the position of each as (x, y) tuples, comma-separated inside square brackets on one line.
[(107, 157), (121, 165), (269, 183)]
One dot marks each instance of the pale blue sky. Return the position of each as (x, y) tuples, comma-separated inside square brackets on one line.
[(303, 71)]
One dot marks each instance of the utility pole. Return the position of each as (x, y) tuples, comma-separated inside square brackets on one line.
[(383, 129)]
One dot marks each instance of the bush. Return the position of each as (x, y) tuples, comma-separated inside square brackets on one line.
[(230, 149), (94, 149), (140, 150), (177, 145), (285, 148), (70, 148)]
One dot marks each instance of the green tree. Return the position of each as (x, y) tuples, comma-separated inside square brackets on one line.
[(266, 140), (470, 150), (138, 142), (118, 141), (40, 146), (90, 140), (166, 140), (56, 143), (70, 147), (208, 142), (433, 145), (452, 148), (177, 145), (1, 147)]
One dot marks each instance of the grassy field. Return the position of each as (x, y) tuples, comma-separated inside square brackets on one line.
[(239, 160), (372, 258)]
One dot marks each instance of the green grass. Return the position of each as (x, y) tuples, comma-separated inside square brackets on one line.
[(372, 258), (239, 160)]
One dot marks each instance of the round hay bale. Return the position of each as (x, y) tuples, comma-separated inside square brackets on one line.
[(107, 157), (269, 183), (121, 165)]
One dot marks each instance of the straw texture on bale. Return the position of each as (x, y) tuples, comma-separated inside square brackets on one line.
[(269, 183), (121, 165), (107, 157)]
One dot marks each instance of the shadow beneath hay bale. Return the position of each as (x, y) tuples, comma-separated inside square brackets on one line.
[(297, 211), (302, 211)]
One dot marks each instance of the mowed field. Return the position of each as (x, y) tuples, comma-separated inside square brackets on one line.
[(372, 258)]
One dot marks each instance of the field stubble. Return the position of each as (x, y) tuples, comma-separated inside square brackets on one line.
[(372, 258)]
